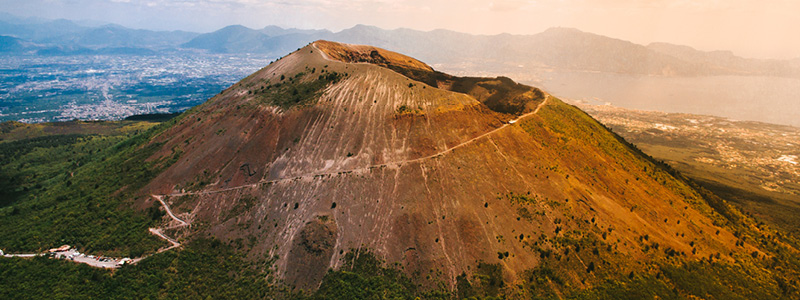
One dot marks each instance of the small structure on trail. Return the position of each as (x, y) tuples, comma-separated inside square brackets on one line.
[(123, 261), (59, 249)]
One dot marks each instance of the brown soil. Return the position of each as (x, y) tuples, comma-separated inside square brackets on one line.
[(552, 181)]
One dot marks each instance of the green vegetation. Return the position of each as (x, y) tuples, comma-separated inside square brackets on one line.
[(669, 280), (203, 269), (210, 269), (20, 169), (520, 198), (406, 110), (486, 283), (300, 90), (74, 189), (14, 131), (643, 287), (363, 277)]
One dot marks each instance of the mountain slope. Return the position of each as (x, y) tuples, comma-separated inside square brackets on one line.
[(273, 30), (271, 40), (234, 37), (69, 34), (726, 62), (118, 36), (329, 149), (572, 49), (11, 44)]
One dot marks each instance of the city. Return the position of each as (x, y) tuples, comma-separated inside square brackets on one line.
[(111, 87)]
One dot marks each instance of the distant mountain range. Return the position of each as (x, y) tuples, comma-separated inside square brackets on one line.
[(555, 48), (64, 37), (270, 40), (11, 44)]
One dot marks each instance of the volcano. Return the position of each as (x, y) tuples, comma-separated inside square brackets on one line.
[(339, 148)]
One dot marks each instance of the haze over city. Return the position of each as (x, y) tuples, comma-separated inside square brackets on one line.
[(749, 28)]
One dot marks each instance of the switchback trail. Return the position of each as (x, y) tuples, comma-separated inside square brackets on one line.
[(169, 211), (169, 239), (157, 231)]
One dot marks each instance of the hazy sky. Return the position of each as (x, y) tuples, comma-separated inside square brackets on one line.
[(750, 28)]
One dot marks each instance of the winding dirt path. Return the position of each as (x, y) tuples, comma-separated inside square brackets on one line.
[(330, 173), (509, 123), (159, 233), (160, 198)]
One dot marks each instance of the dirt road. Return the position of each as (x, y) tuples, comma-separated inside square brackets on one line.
[(160, 198), (159, 233)]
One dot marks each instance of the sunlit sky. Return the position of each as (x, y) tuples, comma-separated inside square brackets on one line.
[(749, 28)]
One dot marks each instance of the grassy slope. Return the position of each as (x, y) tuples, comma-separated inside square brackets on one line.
[(740, 186), (664, 273), (744, 184), (669, 276)]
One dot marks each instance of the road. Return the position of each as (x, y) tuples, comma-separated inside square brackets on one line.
[(159, 233), (160, 198), (482, 135)]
